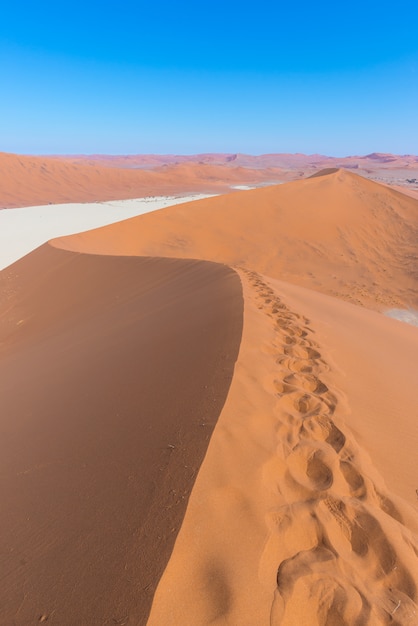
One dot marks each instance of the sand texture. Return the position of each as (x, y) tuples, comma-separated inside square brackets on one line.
[(208, 421)]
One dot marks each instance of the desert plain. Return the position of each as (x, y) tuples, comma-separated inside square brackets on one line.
[(207, 415)]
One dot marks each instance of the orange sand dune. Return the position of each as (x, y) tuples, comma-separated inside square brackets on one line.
[(29, 181), (339, 234), (304, 509), (112, 374)]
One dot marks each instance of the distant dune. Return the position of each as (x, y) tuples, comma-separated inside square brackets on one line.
[(26, 180), (200, 428)]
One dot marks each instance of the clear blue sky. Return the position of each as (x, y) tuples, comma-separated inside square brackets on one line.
[(211, 76)]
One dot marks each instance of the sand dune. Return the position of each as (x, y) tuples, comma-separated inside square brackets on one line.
[(300, 507), (339, 234)]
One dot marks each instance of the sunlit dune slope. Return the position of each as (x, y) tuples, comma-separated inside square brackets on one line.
[(113, 372), (338, 233)]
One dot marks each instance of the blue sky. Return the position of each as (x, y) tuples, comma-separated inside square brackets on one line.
[(185, 77)]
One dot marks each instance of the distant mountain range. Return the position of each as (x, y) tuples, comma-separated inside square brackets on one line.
[(281, 160)]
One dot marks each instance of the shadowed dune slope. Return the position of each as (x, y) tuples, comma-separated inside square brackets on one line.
[(339, 234), (113, 372)]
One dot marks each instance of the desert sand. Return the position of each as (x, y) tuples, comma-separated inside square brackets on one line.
[(207, 418)]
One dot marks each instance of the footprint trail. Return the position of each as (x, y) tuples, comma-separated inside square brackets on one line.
[(343, 555)]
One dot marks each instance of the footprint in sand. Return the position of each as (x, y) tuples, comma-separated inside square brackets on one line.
[(302, 352), (293, 330), (291, 340), (354, 480), (311, 584), (279, 307), (309, 383), (304, 404), (320, 428), (346, 515), (389, 508), (310, 468), (295, 365), (282, 388), (318, 472), (294, 383), (390, 581), (325, 578)]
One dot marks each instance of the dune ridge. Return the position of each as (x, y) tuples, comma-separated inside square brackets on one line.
[(329, 543)]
